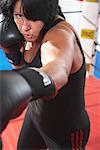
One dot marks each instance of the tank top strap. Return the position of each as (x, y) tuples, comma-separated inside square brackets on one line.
[(54, 23), (49, 26)]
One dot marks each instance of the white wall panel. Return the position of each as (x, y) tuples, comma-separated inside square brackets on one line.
[(72, 11)]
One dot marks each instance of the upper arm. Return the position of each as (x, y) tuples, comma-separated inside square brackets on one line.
[(57, 54)]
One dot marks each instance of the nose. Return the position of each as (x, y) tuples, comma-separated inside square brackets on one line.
[(25, 26)]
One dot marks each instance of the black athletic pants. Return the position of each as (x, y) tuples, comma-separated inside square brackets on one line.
[(31, 138)]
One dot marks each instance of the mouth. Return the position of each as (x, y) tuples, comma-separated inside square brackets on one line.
[(27, 36)]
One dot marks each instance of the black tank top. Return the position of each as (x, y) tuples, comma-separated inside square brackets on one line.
[(67, 110)]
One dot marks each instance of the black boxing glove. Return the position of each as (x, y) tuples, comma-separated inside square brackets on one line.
[(11, 40), (19, 87), (15, 93)]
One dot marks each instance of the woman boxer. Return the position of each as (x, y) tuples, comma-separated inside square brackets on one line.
[(56, 116)]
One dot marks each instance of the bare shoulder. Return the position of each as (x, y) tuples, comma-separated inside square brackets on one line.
[(60, 33), (59, 39), (59, 45)]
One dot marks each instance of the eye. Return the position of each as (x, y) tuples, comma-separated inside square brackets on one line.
[(18, 16)]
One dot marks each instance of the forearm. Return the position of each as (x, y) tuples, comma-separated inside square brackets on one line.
[(57, 70)]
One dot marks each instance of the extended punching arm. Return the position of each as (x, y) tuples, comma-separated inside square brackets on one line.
[(11, 40), (18, 88)]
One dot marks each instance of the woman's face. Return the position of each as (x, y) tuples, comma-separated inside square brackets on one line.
[(29, 29)]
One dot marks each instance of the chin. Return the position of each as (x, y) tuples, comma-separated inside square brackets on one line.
[(30, 39)]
